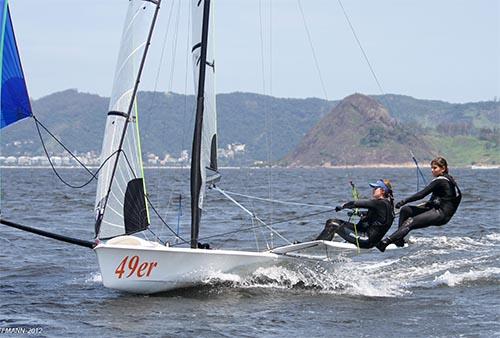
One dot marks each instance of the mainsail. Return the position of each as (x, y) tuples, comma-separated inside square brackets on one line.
[(204, 154), (121, 206), (14, 99)]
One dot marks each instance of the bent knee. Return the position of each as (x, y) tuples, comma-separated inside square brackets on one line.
[(406, 210), (333, 222)]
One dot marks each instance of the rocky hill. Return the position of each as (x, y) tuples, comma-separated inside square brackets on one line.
[(359, 131)]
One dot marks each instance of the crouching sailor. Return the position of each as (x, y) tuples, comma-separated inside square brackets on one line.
[(444, 201), (373, 224)]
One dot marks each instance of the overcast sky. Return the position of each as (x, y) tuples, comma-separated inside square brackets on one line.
[(447, 50)]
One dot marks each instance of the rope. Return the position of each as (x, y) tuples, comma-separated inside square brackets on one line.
[(355, 196), (94, 175), (267, 109), (152, 206), (158, 238), (361, 47), (262, 225), (378, 83), (179, 214), (253, 215), (277, 201), (58, 141), (316, 63), (153, 99), (418, 171)]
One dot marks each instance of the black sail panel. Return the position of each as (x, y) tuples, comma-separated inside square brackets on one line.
[(213, 153), (134, 208)]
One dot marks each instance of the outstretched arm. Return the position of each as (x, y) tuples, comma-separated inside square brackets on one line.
[(422, 193), (367, 204)]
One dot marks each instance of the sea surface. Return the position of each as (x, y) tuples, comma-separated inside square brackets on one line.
[(444, 284)]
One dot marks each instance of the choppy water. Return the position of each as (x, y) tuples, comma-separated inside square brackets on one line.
[(445, 284)]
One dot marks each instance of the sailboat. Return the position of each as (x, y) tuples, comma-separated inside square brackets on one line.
[(128, 262)]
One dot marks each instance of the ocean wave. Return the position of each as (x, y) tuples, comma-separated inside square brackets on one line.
[(456, 243), (493, 237), (344, 279), (95, 277), (454, 279)]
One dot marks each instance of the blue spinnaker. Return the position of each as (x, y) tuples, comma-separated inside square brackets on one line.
[(14, 100)]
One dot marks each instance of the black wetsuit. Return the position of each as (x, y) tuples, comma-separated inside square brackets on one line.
[(444, 201), (372, 226)]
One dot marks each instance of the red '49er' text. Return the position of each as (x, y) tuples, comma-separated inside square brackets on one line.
[(134, 267)]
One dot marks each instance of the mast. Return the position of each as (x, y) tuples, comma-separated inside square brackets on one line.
[(196, 179), (127, 115)]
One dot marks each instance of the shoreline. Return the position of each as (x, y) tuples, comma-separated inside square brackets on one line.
[(334, 167)]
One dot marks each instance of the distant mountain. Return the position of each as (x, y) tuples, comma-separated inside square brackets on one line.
[(358, 131), (75, 118), (431, 113), (270, 127)]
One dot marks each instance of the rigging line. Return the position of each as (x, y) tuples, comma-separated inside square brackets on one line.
[(262, 225), (246, 170), (419, 171), (175, 35), (154, 209), (304, 216), (231, 232), (94, 175), (366, 59), (355, 196), (158, 72), (188, 55), (267, 119), (162, 54), (271, 47), (262, 49), (158, 238), (174, 47), (255, 236), (169, 88), (277, 201), (177, 236), (241, 163), (361, 47), (269, 134), (60, 143), (253, 215), (179, 214), (316, 63)]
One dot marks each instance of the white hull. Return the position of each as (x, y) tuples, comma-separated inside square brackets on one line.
[(135, 265), (160, 268)]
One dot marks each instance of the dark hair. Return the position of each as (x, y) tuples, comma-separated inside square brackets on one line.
[(440, 162), (388, 194)]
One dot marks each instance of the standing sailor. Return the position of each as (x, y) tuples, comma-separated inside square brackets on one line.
[(373, 224), (444, 201)]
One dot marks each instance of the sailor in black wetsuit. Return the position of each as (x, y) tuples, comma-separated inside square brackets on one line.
[(373, 224), (444, 201)]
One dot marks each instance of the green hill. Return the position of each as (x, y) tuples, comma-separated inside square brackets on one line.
[(270, 127)]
